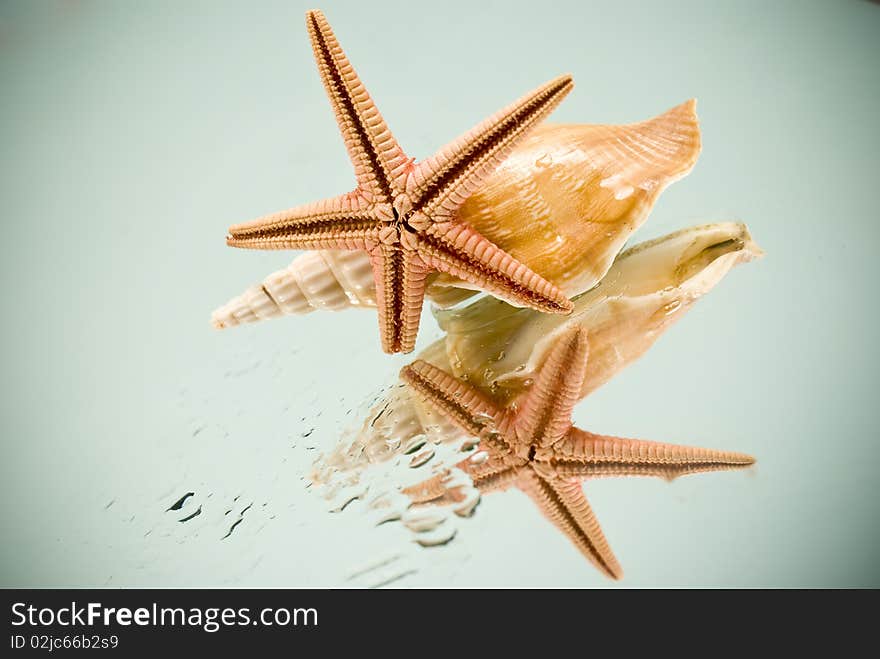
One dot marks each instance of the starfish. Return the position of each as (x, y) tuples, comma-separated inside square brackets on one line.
[(533, 446), (404, 214)]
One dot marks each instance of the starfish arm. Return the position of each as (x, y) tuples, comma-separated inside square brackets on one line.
[(494, 474), (469, 409), (346, 222), (544, 415), (400, 292), (586, 455), (563, 503), (458, 250), (440, 184), (377, 157)]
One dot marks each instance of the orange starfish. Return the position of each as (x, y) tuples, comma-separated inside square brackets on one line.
[(403, 214), (533, 446)]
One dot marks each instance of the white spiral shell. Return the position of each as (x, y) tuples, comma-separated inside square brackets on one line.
[(324, 279)]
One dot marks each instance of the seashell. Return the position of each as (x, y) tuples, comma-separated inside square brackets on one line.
[(567, 199), (564, 202), (648, 288), (326, 279), (499, 347)]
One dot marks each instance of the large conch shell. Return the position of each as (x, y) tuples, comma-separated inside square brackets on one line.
[(580, 192), (499, 347), (564, 203)]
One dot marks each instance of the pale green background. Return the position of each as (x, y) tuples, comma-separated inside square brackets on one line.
[(133, 133)]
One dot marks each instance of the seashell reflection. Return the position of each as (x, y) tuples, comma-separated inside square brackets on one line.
[(564, 203), (649, 287), (535, 447), (498, 347)]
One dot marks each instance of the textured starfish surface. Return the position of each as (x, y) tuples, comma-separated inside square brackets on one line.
[(533, 446), (404, 214)]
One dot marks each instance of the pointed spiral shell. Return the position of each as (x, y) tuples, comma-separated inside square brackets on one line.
[(324, 279)]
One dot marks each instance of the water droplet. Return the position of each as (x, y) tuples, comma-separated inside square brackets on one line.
[(437, 538), (415, 444), (623, 192), (468, 504), (421, 458), (672, 307), (469, 444), (421, 520), (661, 316), (377, 451), (610, 181), (483, 419)]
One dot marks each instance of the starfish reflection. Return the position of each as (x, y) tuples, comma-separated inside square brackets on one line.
[(507, 380), (533, 446)]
